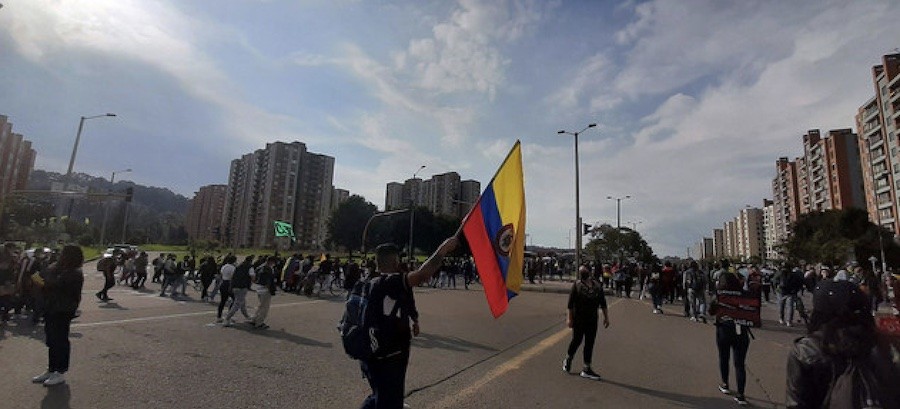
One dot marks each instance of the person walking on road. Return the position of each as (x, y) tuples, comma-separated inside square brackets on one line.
[(61, 285), (732, 340), (694, 282), (225, 273), (265, 289), (390, 289), (140, 268), (585, 299), (240, 284), (789, 284), (107, 265)]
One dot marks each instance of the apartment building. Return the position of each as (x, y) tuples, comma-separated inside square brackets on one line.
[(16, 159), (282, 182), (338, 196), (718, 238), (770, 229), (785, 199), (444, 194), (877, 123), (204, 216)]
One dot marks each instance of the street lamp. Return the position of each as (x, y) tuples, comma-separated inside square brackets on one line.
[(618, 209), (412, 211), (75, 152), (577, 197), (112, 181)]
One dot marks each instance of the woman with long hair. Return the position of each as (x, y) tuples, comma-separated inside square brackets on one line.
[(841, 333), (61, 287)]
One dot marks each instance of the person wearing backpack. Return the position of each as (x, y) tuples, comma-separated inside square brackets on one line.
[(107, 265), (840, 363), (790, 282), (695, 285), (240, 284), (585, 299), (732, 340), (378, 312)]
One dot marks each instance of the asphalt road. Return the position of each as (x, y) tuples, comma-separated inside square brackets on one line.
[(145, 351)]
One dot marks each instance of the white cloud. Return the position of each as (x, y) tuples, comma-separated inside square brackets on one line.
[(153, 33)]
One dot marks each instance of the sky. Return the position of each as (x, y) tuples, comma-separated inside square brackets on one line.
[(694, 100)]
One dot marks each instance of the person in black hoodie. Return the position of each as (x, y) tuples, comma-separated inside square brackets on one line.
[(240, 284), (61, 286), (841, 331), (265, 289)]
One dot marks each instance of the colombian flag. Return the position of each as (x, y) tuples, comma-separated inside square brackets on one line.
[(495, 230)]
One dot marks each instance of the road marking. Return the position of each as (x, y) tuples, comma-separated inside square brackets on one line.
[(504, 368), (163, 317)]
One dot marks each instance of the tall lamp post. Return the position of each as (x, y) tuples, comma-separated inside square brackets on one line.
[(412, 211), (112, 181), (618, 209), (75, 152), (577, 197)]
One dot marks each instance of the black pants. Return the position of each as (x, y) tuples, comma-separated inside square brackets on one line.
[(140, 279), (110, 282), (585, 329), (205, 281), (56, 331), (387, 378), (225, 291), (729, 340), (157, 272)]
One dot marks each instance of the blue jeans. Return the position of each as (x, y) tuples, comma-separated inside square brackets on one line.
[(387, 378), (787, 300)]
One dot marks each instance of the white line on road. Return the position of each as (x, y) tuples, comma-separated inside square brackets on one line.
[(163, 317), (514, 363)]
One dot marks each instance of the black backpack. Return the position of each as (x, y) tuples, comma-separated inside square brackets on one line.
[(364, 329), (357, 333), (697, 280), (241, 277)]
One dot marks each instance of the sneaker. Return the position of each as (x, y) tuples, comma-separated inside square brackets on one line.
[(42, 377), (724, 389), (99, 297), (741, 400), (789, 324), (693, 319), (589, 374), (703, 319), (228, 323), (781, 321), (567, 365), (54, 379)]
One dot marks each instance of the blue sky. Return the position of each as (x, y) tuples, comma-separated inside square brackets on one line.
[(695, 100)]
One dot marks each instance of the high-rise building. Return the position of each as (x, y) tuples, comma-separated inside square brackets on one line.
[(443, 194), (469, 191), (16, 159), (283, 182), (204, 218), (772, 240), (834, 180), (878, 124), (703, 249), (338, 196), (751, 237), (718, 238), (785, 195), (393, 198)]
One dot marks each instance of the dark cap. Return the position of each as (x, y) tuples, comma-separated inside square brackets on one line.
[(387, 249)]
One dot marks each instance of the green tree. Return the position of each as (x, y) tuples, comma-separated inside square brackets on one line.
[(346, 224), (611, 244), (835, 236)]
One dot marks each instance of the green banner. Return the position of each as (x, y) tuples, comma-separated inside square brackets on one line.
[(283, 229)]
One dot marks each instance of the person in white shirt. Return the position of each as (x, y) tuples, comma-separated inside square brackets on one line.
[(226, 272)]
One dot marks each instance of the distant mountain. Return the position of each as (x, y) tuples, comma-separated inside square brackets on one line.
[(155, 215)]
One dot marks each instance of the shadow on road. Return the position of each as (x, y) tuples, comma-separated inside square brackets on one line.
[(688, 401), (58, 397), (21, 328), (283, 336), (112, 306), (449, 343)]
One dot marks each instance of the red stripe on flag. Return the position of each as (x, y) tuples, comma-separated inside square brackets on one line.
[(486, 262)]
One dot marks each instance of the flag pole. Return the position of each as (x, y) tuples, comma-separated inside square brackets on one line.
[(478, 202)]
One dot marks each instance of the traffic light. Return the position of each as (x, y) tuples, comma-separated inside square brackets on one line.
[(586, 229), (129, 194)]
